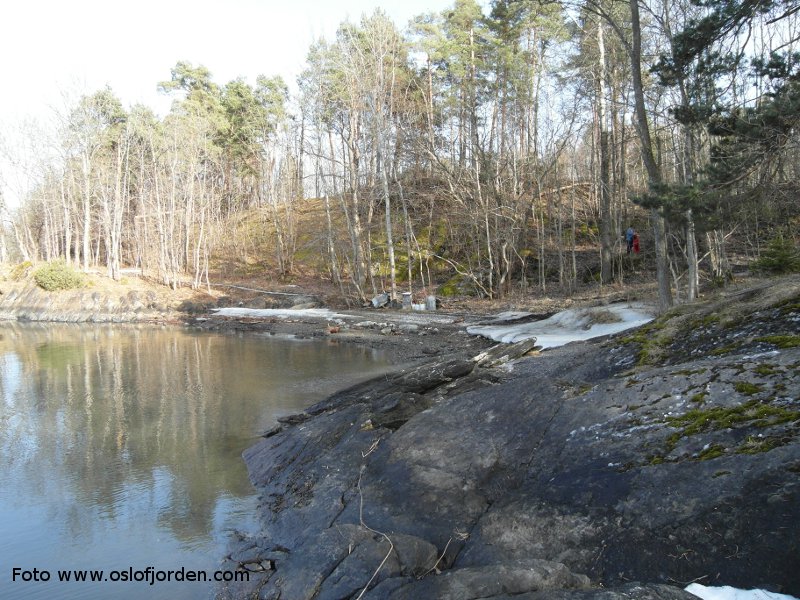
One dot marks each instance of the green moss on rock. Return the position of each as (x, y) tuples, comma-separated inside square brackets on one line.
[(766, 370), (715, 418), (781, 341), (727, 349), (713, 451), (757, 445), (747, 388)]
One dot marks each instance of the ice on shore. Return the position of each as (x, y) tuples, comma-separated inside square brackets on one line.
[(570, 325), (278, 313), (729, 593)]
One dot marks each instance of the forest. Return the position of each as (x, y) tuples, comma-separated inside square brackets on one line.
[(483, 152)]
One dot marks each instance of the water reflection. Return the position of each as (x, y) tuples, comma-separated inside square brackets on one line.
[(120, 446)]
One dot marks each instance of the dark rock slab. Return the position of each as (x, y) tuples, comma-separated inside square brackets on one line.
[(633, 591), (546, 478), (488, 581)]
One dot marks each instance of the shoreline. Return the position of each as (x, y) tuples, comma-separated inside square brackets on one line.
[(559, 474), (408, 338), (554, 476), (385, 330)]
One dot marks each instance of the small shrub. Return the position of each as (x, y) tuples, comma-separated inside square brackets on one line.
[(57, 275), (20, 271), (453, 287), (780, 256)]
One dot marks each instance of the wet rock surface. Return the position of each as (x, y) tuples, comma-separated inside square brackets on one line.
[(408, 337), (582, 472)]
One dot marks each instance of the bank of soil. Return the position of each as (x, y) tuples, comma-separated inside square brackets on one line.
[(616, 468)]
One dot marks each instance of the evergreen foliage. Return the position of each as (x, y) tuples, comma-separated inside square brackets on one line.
[(746, 141), (744, 137), (780, 257)]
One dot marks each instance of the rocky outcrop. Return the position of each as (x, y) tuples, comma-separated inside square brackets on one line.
[(661, 457), (28, 302)]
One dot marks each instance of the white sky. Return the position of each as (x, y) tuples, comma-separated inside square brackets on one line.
[(53, 51), (48, 47)]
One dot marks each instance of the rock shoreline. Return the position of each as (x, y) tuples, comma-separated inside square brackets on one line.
[(406, 338), (27, 302), (618, 468)]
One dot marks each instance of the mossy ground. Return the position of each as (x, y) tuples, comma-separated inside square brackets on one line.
[(752, 320), (753, 414), (781, 341), (741, 399)]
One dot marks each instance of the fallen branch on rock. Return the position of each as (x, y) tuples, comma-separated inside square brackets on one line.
[(363, 524)]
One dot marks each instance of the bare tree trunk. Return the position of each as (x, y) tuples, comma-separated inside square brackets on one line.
[(334, 261), (653, 170), (720, 268), (691, 257), (574, 238), (87, 212), (67, 223), (299, 187), (409, 235), (606, 271), (688, 176), (113, 212), (45, 236), (388, 214), (271, 175), (356, 230)]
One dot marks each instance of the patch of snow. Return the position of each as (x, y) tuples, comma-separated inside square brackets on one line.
[(280, 313), (509, 315), (569, 325), (421, 317), (729, 593), (771, 353)]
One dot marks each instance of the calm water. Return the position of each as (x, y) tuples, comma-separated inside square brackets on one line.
[(120, 446)]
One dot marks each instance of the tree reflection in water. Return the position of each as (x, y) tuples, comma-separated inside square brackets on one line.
[(111, 433)]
